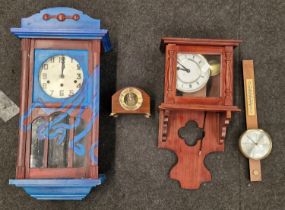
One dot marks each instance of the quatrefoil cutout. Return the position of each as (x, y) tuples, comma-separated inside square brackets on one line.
[(191, 133)]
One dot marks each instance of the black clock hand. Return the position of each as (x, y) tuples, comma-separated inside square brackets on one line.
[(62, 66), (183, 68), (251, 140)]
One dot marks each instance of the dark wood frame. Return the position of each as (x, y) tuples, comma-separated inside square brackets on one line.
[(23, 169)]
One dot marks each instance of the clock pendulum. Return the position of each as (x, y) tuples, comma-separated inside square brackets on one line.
[(255, 144)]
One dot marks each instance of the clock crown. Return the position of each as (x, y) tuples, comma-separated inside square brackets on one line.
[(62, 23)]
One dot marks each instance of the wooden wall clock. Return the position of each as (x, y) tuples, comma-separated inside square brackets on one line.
[(198, 97), (59, 104)]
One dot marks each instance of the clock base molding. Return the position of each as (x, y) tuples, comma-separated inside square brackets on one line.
[(58, 189)]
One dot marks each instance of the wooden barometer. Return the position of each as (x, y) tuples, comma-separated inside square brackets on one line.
[(198, 104), (59, 104), (255, 143)]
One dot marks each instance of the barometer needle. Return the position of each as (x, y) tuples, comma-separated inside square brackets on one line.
[(259, 137), (251, 139)]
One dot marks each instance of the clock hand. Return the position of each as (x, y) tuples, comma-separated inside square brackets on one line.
[(251, 139), (184, 68), (259, 137), (62, 66)]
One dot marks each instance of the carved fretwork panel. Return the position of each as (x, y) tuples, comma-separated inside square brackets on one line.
[(190, 169)]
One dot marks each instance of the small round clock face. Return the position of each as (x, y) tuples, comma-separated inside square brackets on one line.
[(131, 99), (61, 76), (255, 144), (193, 72)]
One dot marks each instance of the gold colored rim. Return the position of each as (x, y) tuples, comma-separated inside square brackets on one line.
[(138, 94), (265, 133)]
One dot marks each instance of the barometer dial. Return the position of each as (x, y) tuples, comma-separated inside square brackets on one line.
[(255, 144)]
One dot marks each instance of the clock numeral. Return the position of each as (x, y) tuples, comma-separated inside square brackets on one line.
[(190, 86), (44, 75), (71, 93), (45, 66), (71, 61), (61, 59), (61, 92), (44, 85), (197, 83), (51, 92), (79, 85), (78, 67), (52, 59), (78, 76)]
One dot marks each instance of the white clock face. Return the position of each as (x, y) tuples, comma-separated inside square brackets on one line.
[(193, 72), (255, 144), (61, 76)]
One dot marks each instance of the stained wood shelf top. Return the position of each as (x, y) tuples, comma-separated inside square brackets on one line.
[(195, 107), (208, 42)]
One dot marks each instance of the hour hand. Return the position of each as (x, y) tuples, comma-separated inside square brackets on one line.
[(183, 69)]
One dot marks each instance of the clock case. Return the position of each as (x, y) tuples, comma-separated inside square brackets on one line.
[(54, 31), (118, 109), (212, 114)]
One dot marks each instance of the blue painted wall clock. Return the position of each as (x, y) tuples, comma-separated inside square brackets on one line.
[(59, 118)]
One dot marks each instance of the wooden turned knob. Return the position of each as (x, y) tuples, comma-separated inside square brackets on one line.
[(46, 17), (61, 17), (76, 17)]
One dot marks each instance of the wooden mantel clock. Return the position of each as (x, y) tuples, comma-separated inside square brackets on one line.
[(198, 104), (59, 104)]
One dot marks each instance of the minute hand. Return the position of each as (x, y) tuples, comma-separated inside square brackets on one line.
[(184, 68), (62, 67)]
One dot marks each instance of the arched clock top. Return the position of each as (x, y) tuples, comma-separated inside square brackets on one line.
[(62, 23)]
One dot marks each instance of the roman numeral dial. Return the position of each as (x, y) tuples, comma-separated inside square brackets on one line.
[(61, 76)]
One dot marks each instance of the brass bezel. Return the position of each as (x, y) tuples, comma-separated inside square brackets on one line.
[(257, 129), (137, 93)]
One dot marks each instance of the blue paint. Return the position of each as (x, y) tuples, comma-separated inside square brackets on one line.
[(92, 155), (58, 189), (85, 28), (67, 189), (54, 129), (41, 56)]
